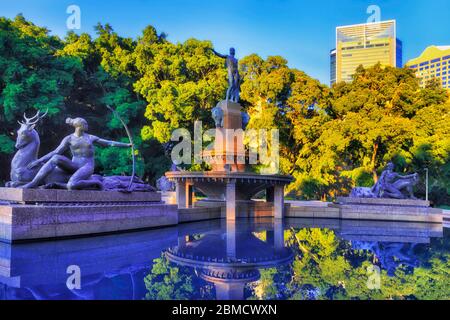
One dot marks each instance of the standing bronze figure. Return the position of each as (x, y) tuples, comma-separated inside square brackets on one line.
[(232, 66)]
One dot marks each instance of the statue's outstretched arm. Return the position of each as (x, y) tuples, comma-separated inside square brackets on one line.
[(109, 143), (218, 54)]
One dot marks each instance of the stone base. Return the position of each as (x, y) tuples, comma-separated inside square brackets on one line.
[(384, 202), (17, 195), (27, 222), (316, 212), (31, 214), (387, 210)]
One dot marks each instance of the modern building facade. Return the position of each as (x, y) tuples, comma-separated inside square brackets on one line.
[(332, 67), (434, 62), (366, 45)]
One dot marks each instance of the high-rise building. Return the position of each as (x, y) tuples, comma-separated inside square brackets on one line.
[(434, 62), (332, 67), (366, 45)]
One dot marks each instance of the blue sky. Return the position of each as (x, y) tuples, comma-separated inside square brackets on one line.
[(302, 31)]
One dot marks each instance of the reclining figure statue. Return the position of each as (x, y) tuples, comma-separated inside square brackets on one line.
[(54, 170), (389, 185)]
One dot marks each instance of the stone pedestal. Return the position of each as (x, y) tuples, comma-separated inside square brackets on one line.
[(33, 214), (232, 118), (387, 210)]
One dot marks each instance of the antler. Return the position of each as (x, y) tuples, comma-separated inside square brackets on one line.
[(35, 119)]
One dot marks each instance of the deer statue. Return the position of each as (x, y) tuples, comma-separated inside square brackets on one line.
[(27, 145)]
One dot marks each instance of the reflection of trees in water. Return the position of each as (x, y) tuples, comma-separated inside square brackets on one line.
[(326, 267), (169, 282)]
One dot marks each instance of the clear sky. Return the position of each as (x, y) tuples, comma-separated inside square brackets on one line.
[(302, 31)]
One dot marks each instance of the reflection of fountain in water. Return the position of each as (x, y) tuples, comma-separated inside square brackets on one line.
[(230, 260)]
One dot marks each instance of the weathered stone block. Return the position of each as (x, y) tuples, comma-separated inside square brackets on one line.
[(47, 195), (383, 201)]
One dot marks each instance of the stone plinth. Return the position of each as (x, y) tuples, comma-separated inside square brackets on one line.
[(78, 196), (32, 214), (383, 201), (387, 210), (232, 118), (27, 222)]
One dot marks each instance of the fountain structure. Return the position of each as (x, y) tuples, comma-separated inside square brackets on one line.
[(230, 183)]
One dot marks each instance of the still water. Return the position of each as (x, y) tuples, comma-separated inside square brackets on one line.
[(249, 259)]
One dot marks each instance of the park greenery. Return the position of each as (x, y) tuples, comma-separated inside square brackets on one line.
[(331, 139)]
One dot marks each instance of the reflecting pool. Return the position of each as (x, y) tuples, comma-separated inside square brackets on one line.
[(248, 259)]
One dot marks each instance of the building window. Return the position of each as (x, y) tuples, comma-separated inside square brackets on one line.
[(446, 58), (424, 63), (436, 60)]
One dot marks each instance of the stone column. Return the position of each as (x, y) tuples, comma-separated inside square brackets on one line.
[(184, 192), (278, 202), (181, 194), (230, 199)]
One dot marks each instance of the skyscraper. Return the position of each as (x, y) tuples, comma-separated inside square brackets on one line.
[(434, 62), (332, 67), (366, 45)]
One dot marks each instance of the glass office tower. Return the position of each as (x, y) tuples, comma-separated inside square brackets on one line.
[(366, 45), (332, 67)]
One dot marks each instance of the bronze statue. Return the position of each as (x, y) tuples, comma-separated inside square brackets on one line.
[(81, 166), (232, 66), (27, 145), (389, 185)]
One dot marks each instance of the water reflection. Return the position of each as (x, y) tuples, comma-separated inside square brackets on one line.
[(232, 259), (252, 259)]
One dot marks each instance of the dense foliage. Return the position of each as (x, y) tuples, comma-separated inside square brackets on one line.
[(331, 138)]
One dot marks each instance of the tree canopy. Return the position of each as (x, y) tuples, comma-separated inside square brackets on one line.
[(331, 139)]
